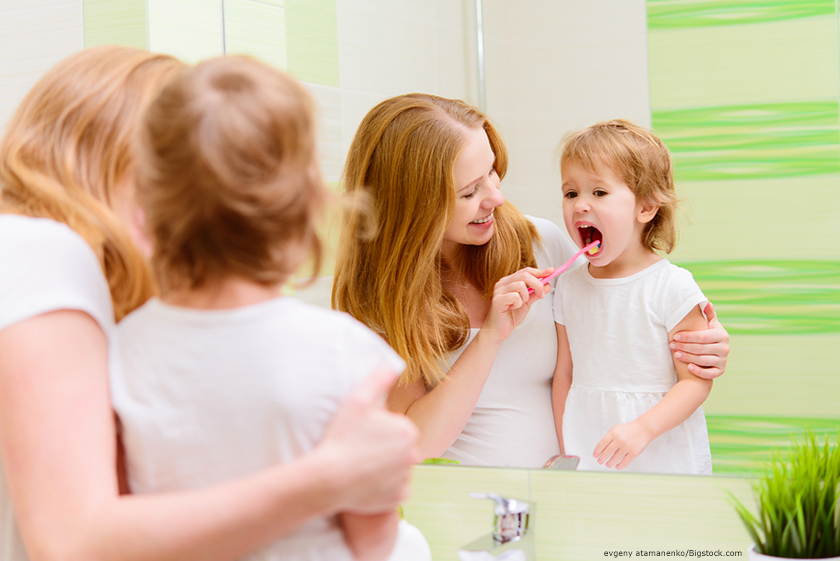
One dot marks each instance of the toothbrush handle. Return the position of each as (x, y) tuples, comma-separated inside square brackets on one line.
[(562, 269)]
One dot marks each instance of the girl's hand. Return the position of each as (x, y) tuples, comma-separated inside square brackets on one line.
[(621, 445), (705, 351), (511, 300)]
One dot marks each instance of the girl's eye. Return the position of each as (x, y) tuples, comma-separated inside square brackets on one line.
[(571, 195), (600, 193)]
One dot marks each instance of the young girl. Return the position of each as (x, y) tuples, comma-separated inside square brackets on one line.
[(629, 404), (221, 376), (68, 268)]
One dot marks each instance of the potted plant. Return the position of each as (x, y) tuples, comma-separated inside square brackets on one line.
[(798, 499)]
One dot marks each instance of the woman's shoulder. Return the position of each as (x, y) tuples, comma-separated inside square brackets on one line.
[(42, 242), (46, 266), (544, 226), (556, 248)]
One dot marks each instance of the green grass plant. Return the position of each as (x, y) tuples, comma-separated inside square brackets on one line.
[(798, 499)]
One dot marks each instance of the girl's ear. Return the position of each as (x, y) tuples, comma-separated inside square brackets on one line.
[(647, 211)]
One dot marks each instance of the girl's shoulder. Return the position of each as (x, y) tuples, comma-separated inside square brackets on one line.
[(674, 274), (340, 330)]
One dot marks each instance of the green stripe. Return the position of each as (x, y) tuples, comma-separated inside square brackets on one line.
[(739, 444), (773, 297), (675, 14), (752, 141)]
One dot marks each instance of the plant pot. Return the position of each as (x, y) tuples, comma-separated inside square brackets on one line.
[(754, 555)]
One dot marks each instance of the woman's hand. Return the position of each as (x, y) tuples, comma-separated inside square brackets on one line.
[(705, 351), (373, 449), (621, 445), (511, 300)]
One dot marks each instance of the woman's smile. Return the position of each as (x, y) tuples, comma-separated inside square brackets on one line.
[(483, 221), (476, 193)]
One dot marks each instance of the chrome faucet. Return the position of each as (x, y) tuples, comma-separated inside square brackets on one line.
[(512, 538)]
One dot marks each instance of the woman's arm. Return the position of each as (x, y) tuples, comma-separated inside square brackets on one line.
[(623, 443), (371, 538), (442, 412), (561, 382), (58, 451), (704, 350)]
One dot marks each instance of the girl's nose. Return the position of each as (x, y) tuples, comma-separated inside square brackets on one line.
[(581, 204)]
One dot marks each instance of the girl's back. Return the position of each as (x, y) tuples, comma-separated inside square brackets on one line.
[(206, 396)]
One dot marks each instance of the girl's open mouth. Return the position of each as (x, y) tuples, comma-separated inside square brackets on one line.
[(588, 234)]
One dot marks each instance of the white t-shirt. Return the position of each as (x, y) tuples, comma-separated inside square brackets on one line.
[(512, 425), (618, 335), (44, 267), (207, 396)]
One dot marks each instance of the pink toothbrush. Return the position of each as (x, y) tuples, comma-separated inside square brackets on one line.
[(590, 248)]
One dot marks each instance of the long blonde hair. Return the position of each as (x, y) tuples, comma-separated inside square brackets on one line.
[(67, 148), (403, 157)]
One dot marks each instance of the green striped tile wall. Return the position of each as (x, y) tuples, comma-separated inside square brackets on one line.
[(745, 94), (671, 14), (752, 141)]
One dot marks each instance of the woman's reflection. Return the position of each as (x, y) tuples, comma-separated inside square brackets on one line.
[(445, 278)]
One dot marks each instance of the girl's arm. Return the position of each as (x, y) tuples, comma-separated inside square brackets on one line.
[(561, 382), (57, 446), (371, 538), (623, 443), (442, 412), (704, 350)]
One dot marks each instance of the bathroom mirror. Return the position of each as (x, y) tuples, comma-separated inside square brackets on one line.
[(746, 99), (744, 94)]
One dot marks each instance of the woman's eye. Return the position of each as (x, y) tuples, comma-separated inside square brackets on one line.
[(471, 194)]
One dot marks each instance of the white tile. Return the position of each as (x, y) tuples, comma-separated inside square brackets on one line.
[(354, 107), (257, 29), (331, 150), (387, 47), (188, 29), (560, 66), (34, 35)]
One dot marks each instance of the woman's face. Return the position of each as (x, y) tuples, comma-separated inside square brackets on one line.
[(124, 205), (476, 194)]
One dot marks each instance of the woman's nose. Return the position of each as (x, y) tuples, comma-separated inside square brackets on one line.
[(494, 196)]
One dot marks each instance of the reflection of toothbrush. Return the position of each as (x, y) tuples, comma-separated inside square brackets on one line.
[(591, 248)]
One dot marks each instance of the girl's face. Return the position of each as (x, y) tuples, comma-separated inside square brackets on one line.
[(600, 206), (476, 194)]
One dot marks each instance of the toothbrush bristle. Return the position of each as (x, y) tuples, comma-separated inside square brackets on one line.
[(594, 250)]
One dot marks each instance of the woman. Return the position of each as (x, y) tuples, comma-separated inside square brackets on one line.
[(445, 278), (69, 269)]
